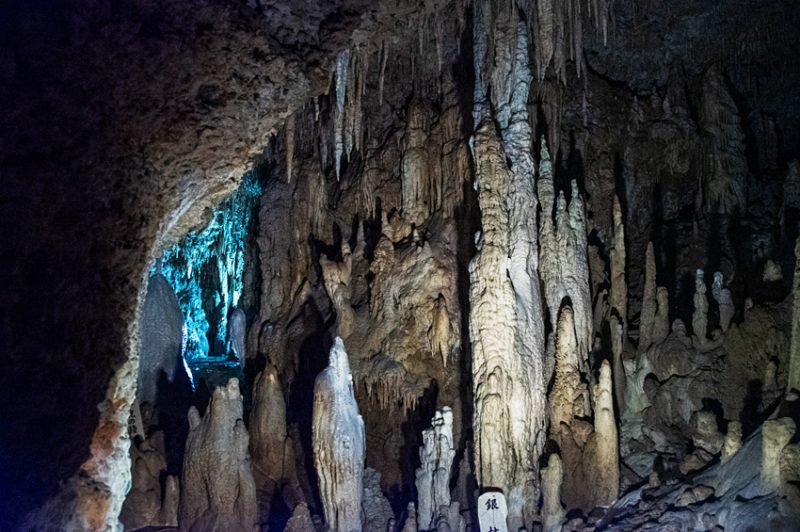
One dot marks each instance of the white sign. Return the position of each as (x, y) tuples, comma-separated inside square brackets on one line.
[(492, 512)]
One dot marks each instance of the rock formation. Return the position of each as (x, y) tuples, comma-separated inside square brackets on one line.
[(377, 511), (601, 459), (436, 461), (724, 300), (338, 439), (618, 294), (553, 512), (700, 314), (794, 357), (217, 487), (161, 323), (649, 302), (237, 331), (776, 435)]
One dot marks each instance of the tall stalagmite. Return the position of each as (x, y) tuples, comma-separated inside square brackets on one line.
[(602, 455), (338, 440), (436, 461), (618, 294), (505, 321)]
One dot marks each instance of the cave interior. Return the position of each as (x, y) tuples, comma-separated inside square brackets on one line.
[(344, 265)]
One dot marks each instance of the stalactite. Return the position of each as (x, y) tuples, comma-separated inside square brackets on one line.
[(351, 98), (794, 350), (544, 36), (649, 302), (436, 461), (342, 66), (338, 441), (725, 163), (382, 77)]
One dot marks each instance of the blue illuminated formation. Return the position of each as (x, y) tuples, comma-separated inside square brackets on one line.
[(206, 269)]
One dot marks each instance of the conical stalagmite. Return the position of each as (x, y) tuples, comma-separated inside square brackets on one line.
[(700, 315), (568, 406), (618, 294), (602, 455), (553, 512), (270, 446), (217, 489), (649, 302), (338, 440)]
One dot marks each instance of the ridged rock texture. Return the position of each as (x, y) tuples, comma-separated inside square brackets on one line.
[(500, 207), (338, 438), (217, 487), (436, 462)]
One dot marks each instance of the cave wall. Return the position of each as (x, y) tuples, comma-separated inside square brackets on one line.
[(126, 122)]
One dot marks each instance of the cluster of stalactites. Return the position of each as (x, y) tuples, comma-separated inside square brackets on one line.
[(351, 74), (558, 30)]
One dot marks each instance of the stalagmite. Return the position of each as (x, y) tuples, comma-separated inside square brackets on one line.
[(336, 278), (603, 447), (217, 489), (342, 66), (268, 433), (568, 404), (724, 299), (410, 524), (576, 271), (620, 383), (649, 302), (436, 461), (377, 511), (661, 323), (733, 440), (439, 333), (794, 350), (553, 513), (618, 294), (700, 315), (237, 331), (776, 434), (338, 440)]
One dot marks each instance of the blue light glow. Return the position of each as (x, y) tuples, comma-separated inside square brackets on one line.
[(206, 271)]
